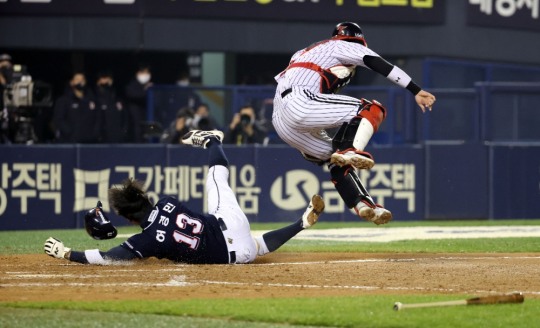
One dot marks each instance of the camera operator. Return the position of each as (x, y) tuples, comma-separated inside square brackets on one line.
[(6, 76), (75, 114), (178, 127), (202, 120), (243, 128)]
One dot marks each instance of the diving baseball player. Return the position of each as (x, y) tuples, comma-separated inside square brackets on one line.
[(306, 104), (172, 231)]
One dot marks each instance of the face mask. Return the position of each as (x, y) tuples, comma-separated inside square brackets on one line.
[(182, 83), (105, 86), (79, 86), (143, 78)]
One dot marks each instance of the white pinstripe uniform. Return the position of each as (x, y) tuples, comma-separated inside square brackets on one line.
[(301, 117)]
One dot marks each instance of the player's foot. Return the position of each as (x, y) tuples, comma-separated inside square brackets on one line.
[(314, 209), (364, 211), (357, 158), (382, 215), (199, 138), (378, 215)]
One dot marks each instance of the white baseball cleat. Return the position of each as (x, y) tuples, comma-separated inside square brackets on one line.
[(359, 159), (378, 215), (365, 212), (382, 216), (314, 209), (199, 138)]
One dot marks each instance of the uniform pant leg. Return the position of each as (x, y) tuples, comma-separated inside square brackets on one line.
[(222, 203), (301, 117)]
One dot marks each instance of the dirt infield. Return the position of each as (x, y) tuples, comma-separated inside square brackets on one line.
[(36, 277)]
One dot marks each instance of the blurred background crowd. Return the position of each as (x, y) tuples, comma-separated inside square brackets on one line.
[(95, 108), (136, 70)]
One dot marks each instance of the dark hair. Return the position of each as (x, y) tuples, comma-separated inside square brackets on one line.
[(130, 200), (143, 66), (184, 112), (105, 73)]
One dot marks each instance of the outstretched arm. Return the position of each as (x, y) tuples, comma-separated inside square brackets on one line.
[(395, 74), (56, 249)]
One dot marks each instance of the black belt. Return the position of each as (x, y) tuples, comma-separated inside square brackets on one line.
[(223, 226), (286, 92)]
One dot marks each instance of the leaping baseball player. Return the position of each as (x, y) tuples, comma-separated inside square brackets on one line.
[(172, 231), (306, 104)]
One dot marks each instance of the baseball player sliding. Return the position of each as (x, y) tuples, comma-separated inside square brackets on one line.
[(171, 230), (306, 104)]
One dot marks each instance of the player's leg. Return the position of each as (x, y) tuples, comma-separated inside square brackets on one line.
[(299, 118), (222, 202), (352, 137), (317, 147), (274, 239), (356, 196), (315, 143)]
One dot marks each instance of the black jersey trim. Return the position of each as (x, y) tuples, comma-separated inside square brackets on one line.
[(316, 98)]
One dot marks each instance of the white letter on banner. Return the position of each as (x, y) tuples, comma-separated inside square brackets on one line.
[(56, 197), (101, 178), (3, 201), (409, 196), (23, 195)]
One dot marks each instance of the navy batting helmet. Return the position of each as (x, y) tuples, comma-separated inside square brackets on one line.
[(349, 29), (98, 225)]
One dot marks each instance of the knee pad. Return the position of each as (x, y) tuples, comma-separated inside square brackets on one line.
[(344, 137), (373, 111), (349, 186)]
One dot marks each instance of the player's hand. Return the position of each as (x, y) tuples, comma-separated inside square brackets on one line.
[(235, 121), (425, 100), (55, 248)]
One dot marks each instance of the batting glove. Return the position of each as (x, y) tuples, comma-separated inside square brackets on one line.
[(55, 248)]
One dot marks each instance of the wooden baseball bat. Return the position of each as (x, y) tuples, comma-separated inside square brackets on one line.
[(516, 297)]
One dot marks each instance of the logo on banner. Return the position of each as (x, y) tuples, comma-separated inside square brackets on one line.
[(293, 191)]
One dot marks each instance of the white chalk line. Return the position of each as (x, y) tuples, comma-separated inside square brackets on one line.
[(180, 280), (447, 258), (347, 287), (389, 234)]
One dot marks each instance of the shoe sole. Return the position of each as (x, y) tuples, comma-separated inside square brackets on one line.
[(189, 141), (359, 162), (317, 207), (385, 217), (366, 213)]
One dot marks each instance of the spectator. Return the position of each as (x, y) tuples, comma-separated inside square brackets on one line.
[(6, 74), (75, 114), (113, 116), (178, 127), (243, 128), (185, 95), (136, 92), (202, 120)]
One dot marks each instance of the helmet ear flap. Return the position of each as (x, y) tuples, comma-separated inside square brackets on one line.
[(97, 225)]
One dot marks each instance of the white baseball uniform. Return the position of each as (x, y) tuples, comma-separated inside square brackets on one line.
[(222, 204), (303, 105)]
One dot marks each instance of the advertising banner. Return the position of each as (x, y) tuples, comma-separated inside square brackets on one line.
[(377, 11), (515, 181), (522, 14), (51, 187)]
